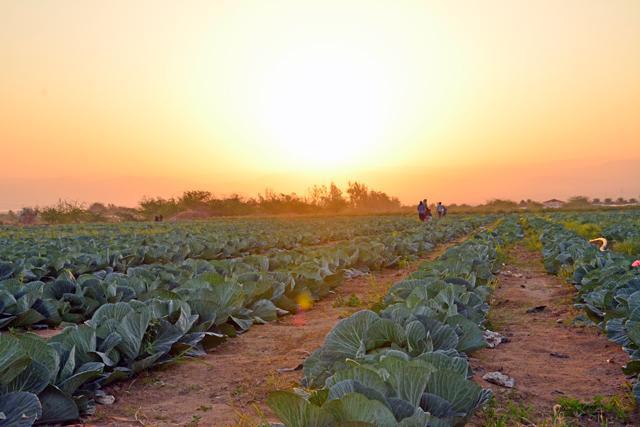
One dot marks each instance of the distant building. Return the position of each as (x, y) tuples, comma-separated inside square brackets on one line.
[(553, 204)]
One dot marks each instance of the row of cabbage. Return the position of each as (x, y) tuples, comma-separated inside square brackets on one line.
[(607, 284), (55, 381), (407, 364), (258, 284), (620, 227), (43, 252), (151, 315)]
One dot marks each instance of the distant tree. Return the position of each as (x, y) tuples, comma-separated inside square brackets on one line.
[(194, 199), (363, 199), (595, 201), (274, 203), (150, 207), (499, 205), (380, 201), (231, 205), (318, 194), (533, 205), (68, 212), (633, 201), (325, 198), (358, 194), (97, 208), (608, 201), (27, 216), (621, 201), (577, 202), (334, 202)]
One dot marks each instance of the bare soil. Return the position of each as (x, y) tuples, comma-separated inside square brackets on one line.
[(47, 333), (229, 386), (584, 363)]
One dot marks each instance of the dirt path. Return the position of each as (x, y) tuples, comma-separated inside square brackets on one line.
[(548, 356), (228, 387)]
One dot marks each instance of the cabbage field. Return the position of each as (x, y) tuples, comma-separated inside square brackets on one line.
[(406, 365), (124, 298), (130, 297)]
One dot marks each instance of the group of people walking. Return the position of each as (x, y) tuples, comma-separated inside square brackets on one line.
[(424, 213)]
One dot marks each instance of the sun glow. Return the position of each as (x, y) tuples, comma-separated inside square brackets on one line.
[(237, 96), (324, 109)]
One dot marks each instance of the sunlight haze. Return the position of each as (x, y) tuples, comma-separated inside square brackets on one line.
[(462, 101)]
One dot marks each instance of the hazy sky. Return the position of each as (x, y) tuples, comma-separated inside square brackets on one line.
[(456, 100)]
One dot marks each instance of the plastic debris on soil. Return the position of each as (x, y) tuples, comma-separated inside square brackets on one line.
[(295, 368), (511, 274), (103, 398), (352, 273), (493, 338), (498, 378)]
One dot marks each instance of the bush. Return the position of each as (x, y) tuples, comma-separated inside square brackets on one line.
[(585, 230), (65, 212), (628, 247), (28, 216)]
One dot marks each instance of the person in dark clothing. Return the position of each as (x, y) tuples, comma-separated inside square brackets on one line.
[(422, 211)]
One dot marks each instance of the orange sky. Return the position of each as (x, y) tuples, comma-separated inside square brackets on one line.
[(458, 100)]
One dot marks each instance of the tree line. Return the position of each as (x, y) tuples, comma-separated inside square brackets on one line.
[(320, 199), (195, 204)]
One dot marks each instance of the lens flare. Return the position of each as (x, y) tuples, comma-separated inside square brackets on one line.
[(304, 301)]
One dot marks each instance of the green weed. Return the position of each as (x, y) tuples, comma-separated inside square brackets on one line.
[(584, 230), (501, 254), (352, 301), (532, 242), (379, 305), (566, 273), (248, 420), (531, 238), (371, 281), (600, 408), (275, 381), (239, 390), (509, 414), (195, 420), (628, 247)]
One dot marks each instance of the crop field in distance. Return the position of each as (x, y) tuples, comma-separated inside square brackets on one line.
[(86, 307)]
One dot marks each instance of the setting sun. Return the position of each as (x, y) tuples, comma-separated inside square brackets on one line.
[(323, 108)]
